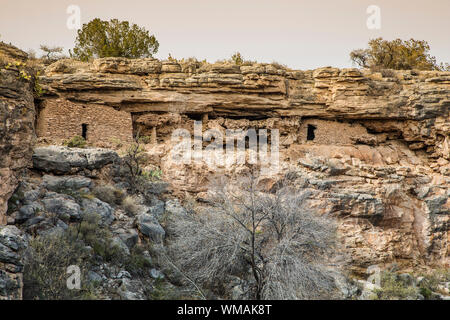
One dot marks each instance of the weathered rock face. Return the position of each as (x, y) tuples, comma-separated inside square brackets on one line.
[(63, 160), (414, 106), (373, 148), (17, 116), (12, 243)]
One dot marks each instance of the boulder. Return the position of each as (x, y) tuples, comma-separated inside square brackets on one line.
[(131, 290), (156, 274), (96, 206), (127, 66), (63, 206), (13, 238), (174, 207), (34, 221), (28, 211), (55, 183), (64, 160), (30, 196), (156, 209), (118, 242), (94, 276), (130, 237), (12, 243), (150, 227)]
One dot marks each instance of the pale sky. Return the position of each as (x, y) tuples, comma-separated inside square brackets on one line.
[(300, 34)]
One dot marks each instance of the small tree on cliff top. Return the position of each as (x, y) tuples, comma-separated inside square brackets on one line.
[(114, 38), (50, 52), (397, 54)]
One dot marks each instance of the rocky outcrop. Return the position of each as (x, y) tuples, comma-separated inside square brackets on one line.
[(12, 243), (63, 160), (372, 147), (17, 118), (413, 105), (48, 204)]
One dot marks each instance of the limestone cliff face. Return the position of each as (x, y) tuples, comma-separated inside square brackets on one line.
[(378, 158), (17, 117)]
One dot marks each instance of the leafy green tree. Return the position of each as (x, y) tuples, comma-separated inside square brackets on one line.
[(114, 38), (397, 54)]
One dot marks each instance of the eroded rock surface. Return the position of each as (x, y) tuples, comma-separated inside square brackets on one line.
[(63, 160), (17, 118), (372, 147)]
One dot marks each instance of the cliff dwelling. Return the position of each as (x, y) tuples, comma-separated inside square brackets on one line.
[(59, 120)]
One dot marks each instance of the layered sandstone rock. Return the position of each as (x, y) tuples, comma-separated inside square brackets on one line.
[(413, 105), (378, 157), (17, 117)]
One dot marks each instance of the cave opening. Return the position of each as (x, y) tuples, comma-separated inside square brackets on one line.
[(311, 135), (84, 129)]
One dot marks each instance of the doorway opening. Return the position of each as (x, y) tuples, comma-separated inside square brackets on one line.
[(311, 135), (84, 129)]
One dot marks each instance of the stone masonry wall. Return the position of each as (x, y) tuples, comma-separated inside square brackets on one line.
[(60, 119)]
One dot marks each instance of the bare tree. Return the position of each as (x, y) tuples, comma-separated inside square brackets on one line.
[(140, 179), (270, 239), (133, 160), (50, 52)]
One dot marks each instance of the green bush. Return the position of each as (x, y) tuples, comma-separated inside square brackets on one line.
[(137, 263), (397, 54), (432, 283), (76, 142), (145, 139), (393, 288), (99, 238), (152, 175)]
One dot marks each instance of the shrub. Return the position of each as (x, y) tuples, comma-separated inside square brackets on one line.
[(278, 65), (130, 206), (137, 263), (237, 58), (98, 237), (145, 139), (109, 194), (46, 265), (114, 38), (397, 54), (152, 175), (76, 142), (394, 288), (273, 240), (133, 160), (38, 90), (433, 283)]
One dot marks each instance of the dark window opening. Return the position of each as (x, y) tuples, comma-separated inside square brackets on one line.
[(311, 135), (84, 128)]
